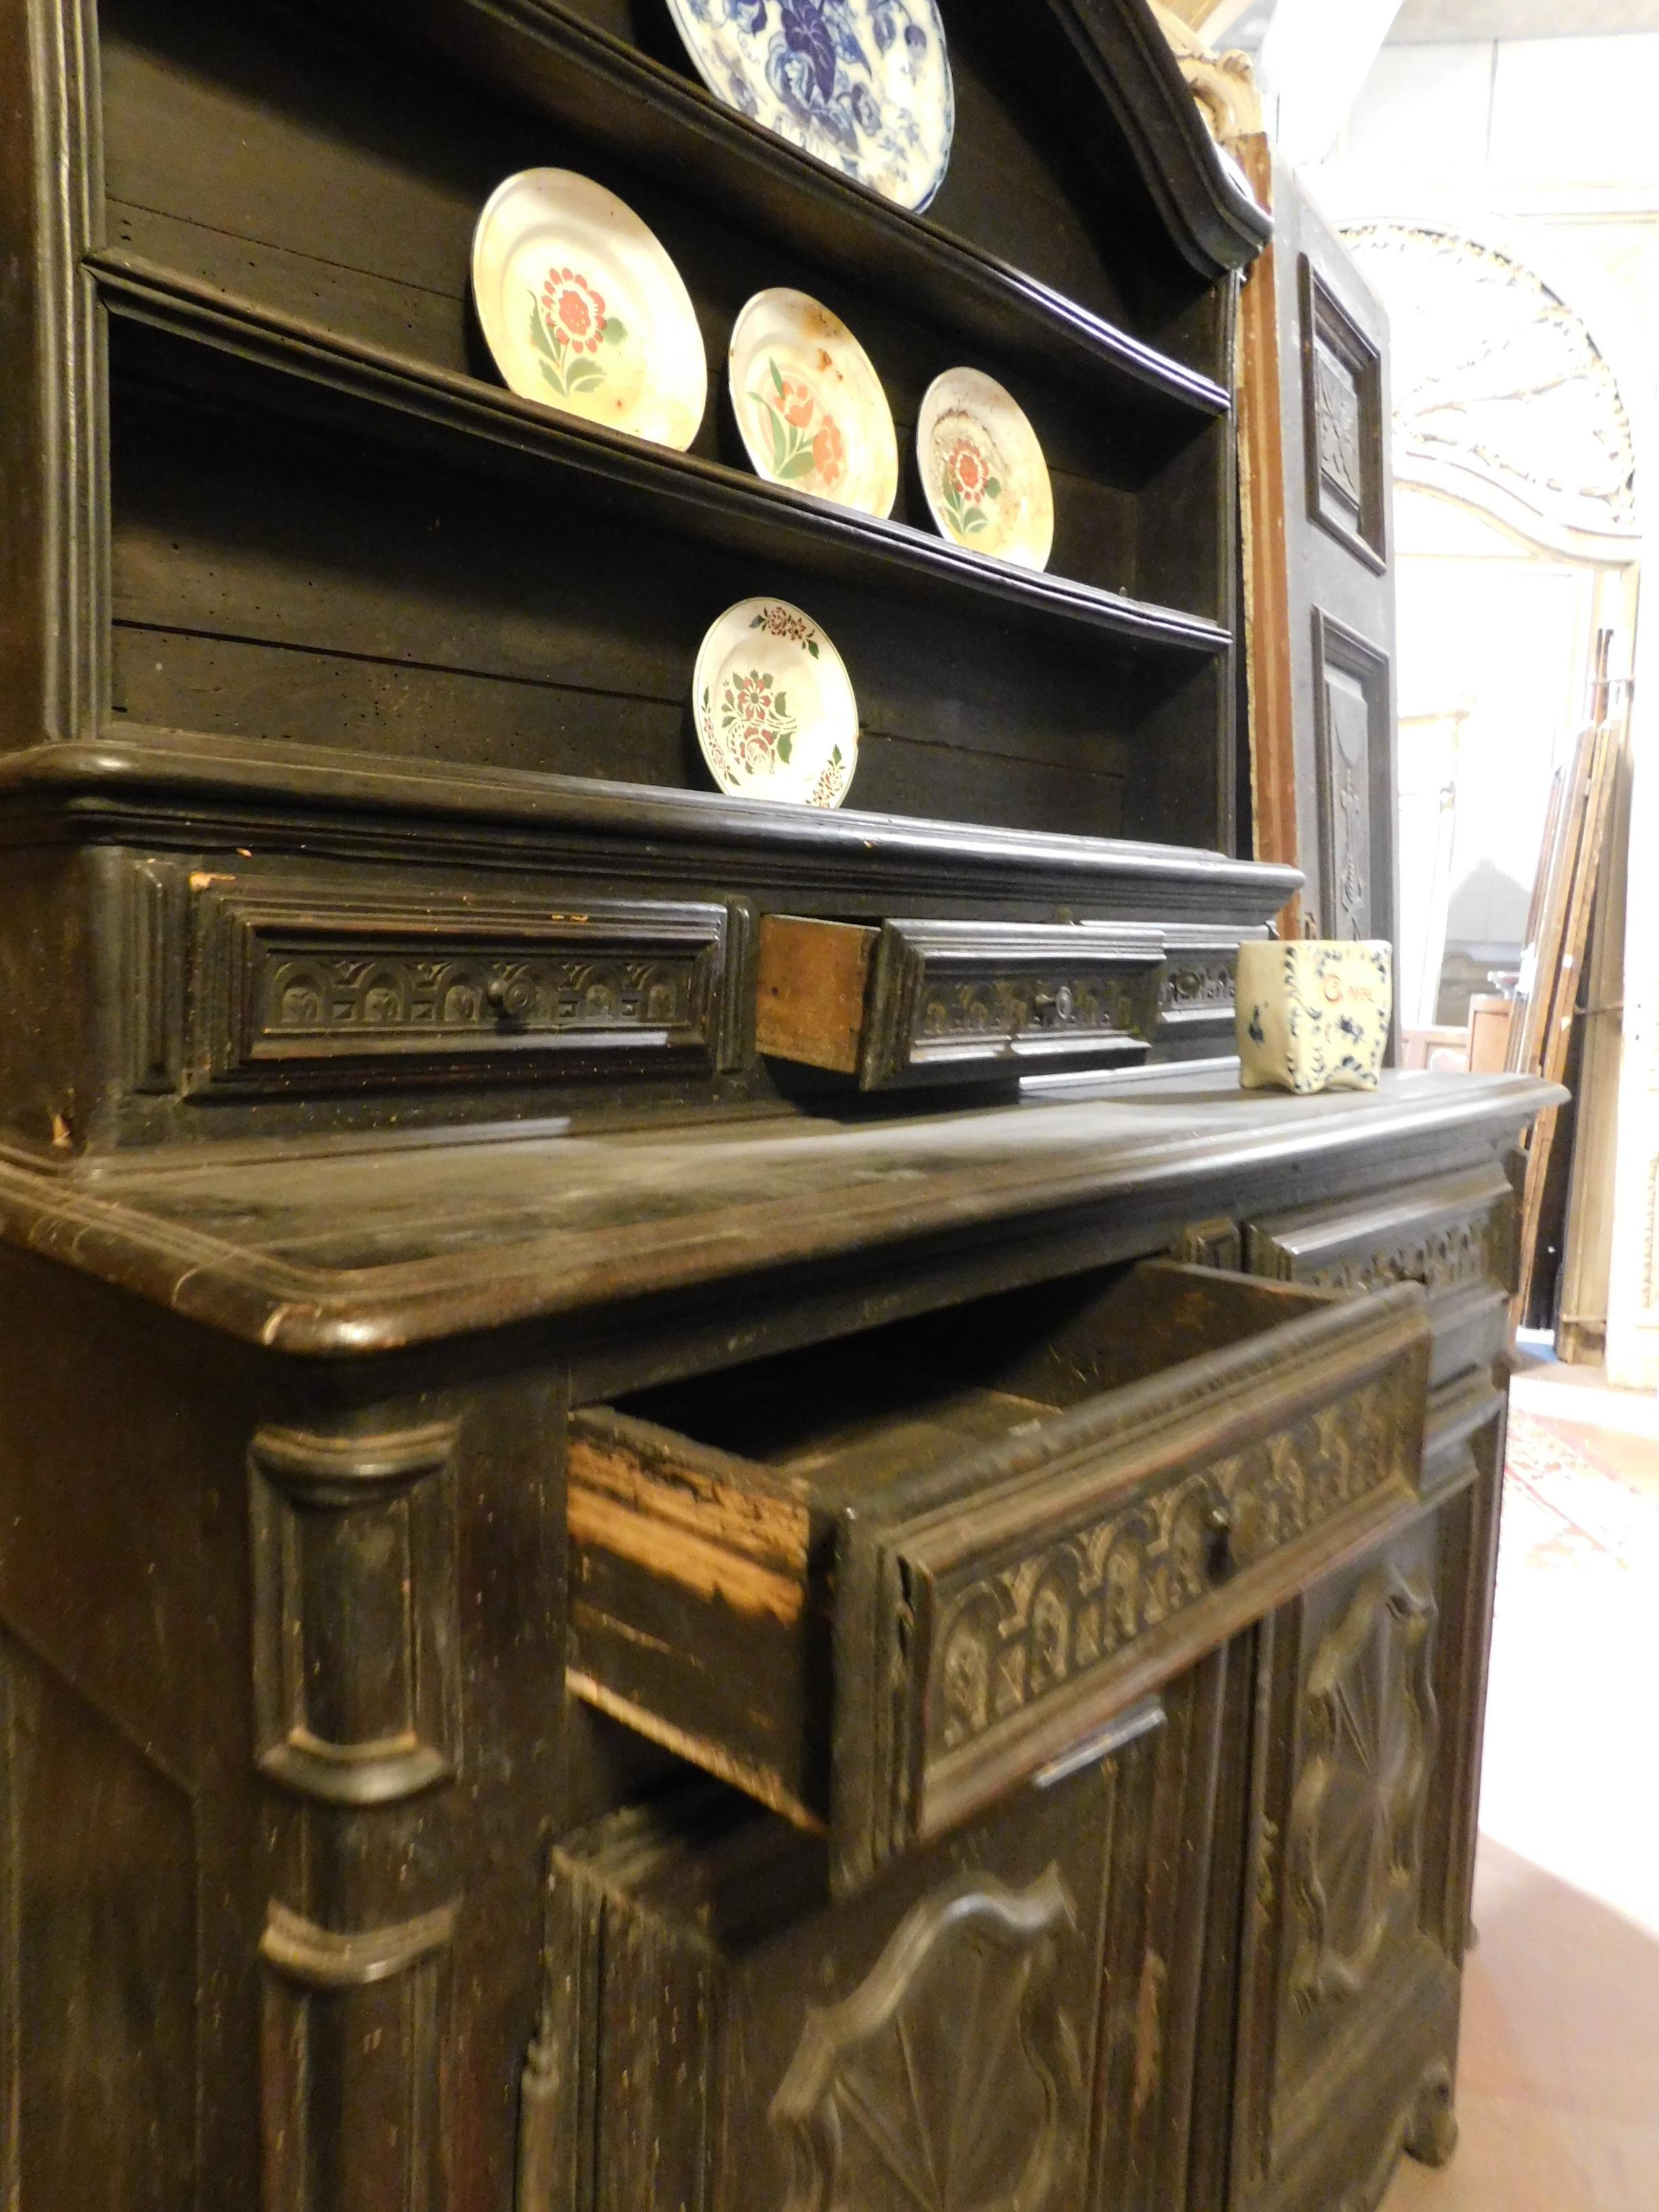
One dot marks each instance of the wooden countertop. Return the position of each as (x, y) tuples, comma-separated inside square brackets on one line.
[(364, 1249)]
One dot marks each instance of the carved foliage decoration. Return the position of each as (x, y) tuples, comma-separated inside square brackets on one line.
[(1223, 84), (1500, 393), (1354, 1838), (1012, 1636), (949, 2081)]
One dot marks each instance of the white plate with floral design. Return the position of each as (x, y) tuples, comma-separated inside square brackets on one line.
[(583, 309), (982, 470), (809, 404), (865, 85), (776, 714)]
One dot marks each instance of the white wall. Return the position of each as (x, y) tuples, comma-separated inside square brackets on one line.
[(1548, 147), (1547, 150)]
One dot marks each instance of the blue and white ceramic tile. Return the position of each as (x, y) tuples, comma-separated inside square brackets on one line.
[(863, 84), (1314, 1014)]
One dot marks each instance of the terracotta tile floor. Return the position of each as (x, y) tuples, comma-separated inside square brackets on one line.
[(1559, 2094)]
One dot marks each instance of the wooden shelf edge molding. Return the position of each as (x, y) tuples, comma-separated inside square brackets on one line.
[(681, 492), (537, 51)]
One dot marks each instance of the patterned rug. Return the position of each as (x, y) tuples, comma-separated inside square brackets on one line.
[(1572, 1493)]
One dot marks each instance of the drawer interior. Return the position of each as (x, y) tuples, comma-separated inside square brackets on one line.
[(837, 1422)]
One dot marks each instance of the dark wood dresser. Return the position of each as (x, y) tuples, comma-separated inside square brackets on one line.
[(693, 1517)]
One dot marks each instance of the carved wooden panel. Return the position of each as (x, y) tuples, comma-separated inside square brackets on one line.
[(1354, 725), (717, 2035), (1019, 1639), (948, 2080), (1361, 1795), (299, 985), (356, 1634), (355, 2038), (1344, 427), (1010, 1635), (1354, 1844)]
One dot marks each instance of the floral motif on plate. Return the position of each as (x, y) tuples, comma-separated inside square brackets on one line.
[(865, 85)]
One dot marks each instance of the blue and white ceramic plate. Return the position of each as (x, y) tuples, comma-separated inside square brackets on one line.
[(863, 84)]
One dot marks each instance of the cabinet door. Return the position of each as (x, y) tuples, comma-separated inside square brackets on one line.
[(1365, 1774), (1004, 2022)]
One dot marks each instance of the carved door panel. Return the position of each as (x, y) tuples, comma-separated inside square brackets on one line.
[(1361, 1823), (1317, 521), (719, 2037)]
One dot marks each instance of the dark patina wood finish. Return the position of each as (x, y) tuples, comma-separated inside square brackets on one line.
[(691, 1514)]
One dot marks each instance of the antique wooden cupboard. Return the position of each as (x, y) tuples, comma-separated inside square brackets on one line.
[(691, 1514)]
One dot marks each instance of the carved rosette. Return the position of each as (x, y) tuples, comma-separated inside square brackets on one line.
[(949, 2081), (1354, 1837)]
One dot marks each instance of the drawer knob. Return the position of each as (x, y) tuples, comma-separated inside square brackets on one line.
[(510, 998), (1218, 1548), (1055, 1006)]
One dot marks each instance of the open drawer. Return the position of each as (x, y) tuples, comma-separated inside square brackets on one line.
[(877, 1585), (914, 1002)]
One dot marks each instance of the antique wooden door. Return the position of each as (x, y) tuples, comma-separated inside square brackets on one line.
[(1314, 415)]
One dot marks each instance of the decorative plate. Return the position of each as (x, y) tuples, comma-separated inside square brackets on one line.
[(809, 404), (982, 469), (863, 84), (776, 714), (582, 308)]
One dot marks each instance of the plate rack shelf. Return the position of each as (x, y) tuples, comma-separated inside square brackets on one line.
[(282, 237)]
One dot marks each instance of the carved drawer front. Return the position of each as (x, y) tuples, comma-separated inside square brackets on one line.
[(877, 1586), (940, 1002), (718, 2033), (1454, 1234), (297, 986)]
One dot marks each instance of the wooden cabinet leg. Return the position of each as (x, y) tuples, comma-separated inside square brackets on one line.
[(1431, 2135)]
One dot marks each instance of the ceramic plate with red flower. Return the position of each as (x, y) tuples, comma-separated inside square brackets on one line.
[(982, 469), (810, 406), (775, 714), (583, 309)]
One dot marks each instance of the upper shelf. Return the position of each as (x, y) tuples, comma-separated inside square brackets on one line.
[(530, 51), (196, 334)]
